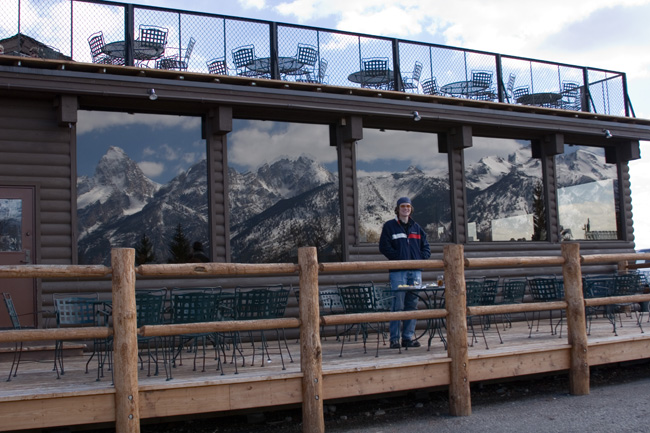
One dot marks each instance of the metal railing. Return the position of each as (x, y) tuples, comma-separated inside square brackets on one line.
[(62, 28)]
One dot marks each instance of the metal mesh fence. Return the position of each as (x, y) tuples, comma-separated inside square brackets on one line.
[(116, 33)]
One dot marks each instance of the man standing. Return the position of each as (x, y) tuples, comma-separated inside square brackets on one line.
[(403, 239)]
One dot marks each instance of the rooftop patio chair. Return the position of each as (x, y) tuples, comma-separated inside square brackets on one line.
[(149, 305), (242, 57), (570, 96), (176, 62), (316, 76), (331, 303), (547, 289), (306, 56), (363, 298), (509, 88), (96, 42), (227, 310), (373, 68), (430, 87), (278, 299), (193, 305), (152, 37), (81, 310), (412, 82), (217, 66), (519, 92)]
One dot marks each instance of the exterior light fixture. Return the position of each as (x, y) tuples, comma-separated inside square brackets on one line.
[(152, 94), (607, 133), (416, 116)]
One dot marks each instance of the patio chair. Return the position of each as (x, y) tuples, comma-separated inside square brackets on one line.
[(15, 322), (306, 56), (217, 66), (512, 292), (413, 82), (509, 88), (375, 72), (627, 284), (319, 76), (96, 42), (149, 311), (262, 303), (430, 87), (546, 289), (474, 293), (193, 305), (81, 310), (331, 303), (519, 92), (483, 80), (175, 62), (570, 96), (363, 298), (242, 57), (152, 37), (599, 286)]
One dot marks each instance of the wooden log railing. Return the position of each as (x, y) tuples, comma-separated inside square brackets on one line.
[(309, 322)]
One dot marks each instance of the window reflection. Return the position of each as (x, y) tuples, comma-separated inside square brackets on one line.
[(587, 199), (11, 218), (505, 200), (283, 192), (392, 164)]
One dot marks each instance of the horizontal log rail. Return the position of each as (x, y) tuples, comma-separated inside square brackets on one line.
[(454, 264)]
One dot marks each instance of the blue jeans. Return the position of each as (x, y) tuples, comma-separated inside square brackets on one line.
[(403, 301)]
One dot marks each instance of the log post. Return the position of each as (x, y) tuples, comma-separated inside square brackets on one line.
[(576, 321), (460, 403), (311, 355), (125, 342)]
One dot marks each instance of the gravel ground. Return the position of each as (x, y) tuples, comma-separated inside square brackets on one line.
[(618, 401)]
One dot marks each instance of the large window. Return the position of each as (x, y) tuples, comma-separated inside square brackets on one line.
[(393, 164), (141, 178), (587, 194), (283, 192), (505, 200)]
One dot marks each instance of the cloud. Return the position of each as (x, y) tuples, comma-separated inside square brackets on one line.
[(151, 169), (257, 142), (97, 121)]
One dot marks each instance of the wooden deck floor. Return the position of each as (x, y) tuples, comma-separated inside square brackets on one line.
[(355, 373)]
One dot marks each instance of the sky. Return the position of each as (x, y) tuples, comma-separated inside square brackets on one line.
[(608, 34)]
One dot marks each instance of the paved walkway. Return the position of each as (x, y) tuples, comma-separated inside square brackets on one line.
[(620, 407)]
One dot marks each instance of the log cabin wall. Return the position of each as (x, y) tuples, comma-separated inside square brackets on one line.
[(38, 147)]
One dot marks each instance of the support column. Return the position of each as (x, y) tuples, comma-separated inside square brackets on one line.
[(460, 401), (125, 342), (576, 321), (311, 353)]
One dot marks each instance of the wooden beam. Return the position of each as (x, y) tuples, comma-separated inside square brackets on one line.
[(460, 403), (576, 320), (311, 354), (125, 342)]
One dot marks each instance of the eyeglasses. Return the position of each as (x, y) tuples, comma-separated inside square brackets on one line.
[(405, 205)]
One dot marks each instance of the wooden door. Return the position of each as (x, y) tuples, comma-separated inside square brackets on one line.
[(17, 248)]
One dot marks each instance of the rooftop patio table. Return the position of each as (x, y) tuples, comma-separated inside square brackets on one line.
[(462, 88), (372, 78), (141, 50), (286, 65), (433, 297), (544, 98)]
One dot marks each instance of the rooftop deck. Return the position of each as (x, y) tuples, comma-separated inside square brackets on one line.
[(184, 41)]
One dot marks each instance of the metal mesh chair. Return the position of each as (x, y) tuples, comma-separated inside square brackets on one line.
[(512, 292), (15, 322), (217, 66), (413, 82), (519, 92), (243, 57), (374, 68), (149, 311), (319, 76), (430, 87), (599, 286), (546, 289), (306, 56), (81, 311), (363, 298), (176, 62), (193, 306)]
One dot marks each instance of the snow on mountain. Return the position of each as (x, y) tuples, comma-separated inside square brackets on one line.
[(291, 203)]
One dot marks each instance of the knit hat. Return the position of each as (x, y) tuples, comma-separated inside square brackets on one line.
[(403, 200)]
